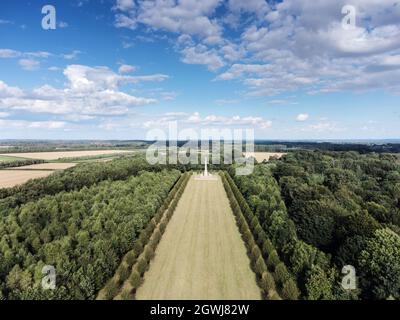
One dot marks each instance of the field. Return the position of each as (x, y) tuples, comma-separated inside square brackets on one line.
[(11, 178), (6, 158), (64, 154), (46, 166), (201, 254), (261, 156)]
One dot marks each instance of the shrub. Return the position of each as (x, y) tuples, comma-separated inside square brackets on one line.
[(156, 237), (142, 265), (110, 290), (281, 273), (137, 248), (255, 253), (260, 266), (273, 260), (267, 282), (130, 258), (290, 290), (123, 272), (126, 295), (267, 248), (135, 280), (149, 252), (246, 235), (163, 226)]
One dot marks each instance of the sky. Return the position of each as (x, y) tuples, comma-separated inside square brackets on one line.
[(118, 69)]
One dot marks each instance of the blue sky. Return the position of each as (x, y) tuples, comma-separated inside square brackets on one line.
[(115, 69)]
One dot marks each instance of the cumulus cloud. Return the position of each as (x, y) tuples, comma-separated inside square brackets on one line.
[(302, 117), (126, 68), (88, 91), (276, 47), (201, 55)]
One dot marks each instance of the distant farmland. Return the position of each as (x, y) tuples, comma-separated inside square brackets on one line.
[(64, 154), (201, 254), (11, 178), (46, 166)]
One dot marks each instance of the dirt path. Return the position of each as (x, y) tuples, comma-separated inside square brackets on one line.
[(201, 254)]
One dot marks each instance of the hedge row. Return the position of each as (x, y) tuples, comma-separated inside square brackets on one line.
[(19, 163), (270, 270), (129, 275)]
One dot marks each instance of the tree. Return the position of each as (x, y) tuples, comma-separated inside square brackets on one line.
[(267, 282), (380, 265), (110, 290), (281, 273), (290, 290), (135, 279), (273, 260), (319, 284)]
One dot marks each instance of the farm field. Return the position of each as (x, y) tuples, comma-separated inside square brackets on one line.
[(64, 154), (261, 156), (6, 158), (11, 178), (46, 166), (201, 254)]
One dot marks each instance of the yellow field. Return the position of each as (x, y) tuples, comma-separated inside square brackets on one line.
[(201, 254), (11, 178), (261, 156), (65, 154), (46, 166)]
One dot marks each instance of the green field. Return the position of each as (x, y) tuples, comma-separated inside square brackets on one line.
[(9, 158), (201, 254)]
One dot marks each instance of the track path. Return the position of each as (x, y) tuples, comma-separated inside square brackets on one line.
[(201, 254)]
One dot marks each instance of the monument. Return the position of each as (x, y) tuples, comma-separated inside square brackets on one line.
[(205, 175)]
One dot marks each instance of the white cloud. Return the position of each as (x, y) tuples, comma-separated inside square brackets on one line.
[(187, 17), (89, 91), (4, 114), (201, 55), (126, 68), (125, 5), (302, 117), (23, 124), (73, 55), (195, 120), (9, 53), (29, 64)]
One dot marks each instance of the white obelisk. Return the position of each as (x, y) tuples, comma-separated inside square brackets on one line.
[(205, 167)]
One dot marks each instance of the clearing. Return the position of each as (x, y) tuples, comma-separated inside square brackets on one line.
[(261, 156), (11, 178), (201, 254), (64, 154)]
